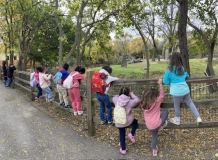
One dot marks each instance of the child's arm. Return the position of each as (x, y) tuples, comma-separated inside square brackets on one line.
[(134, 99), (161, 94), (166, 79)]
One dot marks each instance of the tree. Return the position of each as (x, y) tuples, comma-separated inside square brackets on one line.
[(182, 33), (206, 13), (88, 14), (167, 14)]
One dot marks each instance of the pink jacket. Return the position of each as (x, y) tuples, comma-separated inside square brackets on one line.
[(128, 102), (76, 79), (152, 116)]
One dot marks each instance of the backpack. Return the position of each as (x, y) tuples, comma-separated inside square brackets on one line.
[(68, 82), (98, 84), (120, 115), (33, 81), (58, 78)]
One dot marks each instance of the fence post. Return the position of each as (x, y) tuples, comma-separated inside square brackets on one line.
[(90, 106)]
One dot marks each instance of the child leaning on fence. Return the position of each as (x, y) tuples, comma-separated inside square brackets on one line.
[(59, 78), (176, 76), (74, 91), (127, 101), (44, 82), (34, 82), (154, 119), (103, 97)]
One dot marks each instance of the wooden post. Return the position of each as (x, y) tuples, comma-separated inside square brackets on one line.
[(90, 106)]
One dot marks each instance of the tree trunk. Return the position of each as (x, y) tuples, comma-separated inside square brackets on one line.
[(145, 46), (61, 35), (182, 34)]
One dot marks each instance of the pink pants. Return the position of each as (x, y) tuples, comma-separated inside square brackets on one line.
[(74, 94)]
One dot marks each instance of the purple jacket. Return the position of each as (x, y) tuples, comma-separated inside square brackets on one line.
[(128, 102)]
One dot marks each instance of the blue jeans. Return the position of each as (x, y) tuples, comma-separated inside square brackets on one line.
[(48, 92), (104, 101), (39, 93), (9, 81)]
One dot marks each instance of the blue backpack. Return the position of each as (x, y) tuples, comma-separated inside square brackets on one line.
[(57, 78)]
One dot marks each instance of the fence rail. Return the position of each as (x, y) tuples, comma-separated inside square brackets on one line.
[(203, 90)]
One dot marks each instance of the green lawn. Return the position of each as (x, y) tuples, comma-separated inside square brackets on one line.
[(136, 70)]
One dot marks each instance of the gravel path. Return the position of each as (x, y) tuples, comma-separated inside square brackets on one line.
[(26, 133)]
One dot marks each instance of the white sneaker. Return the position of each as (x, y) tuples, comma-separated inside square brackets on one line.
[(80, 113), (199, 120), (75, 113), (175, 120)]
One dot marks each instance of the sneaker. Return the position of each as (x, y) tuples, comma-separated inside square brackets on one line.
[(102, 122), (199, 120), (36, 99), (80, 113), (131, 137), (175, 120), (154, 152), (75, 113), (110, 122), (61, 104), (51, 100), (67, 106), (123, 152)]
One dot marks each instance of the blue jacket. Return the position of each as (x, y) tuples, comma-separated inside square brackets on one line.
[(64, 74), (178, 85)]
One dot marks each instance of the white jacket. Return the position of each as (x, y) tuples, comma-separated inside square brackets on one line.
[(44, 80)]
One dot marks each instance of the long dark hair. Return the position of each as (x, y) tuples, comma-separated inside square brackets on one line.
[(80, 69), (125, 91), (175, 64), (148, 97)]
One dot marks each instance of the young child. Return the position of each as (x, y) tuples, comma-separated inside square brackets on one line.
[(34, 82), (62, 92), (10, 74), (74, 92), (176, 76), (154, 119), (4, 69), (44, 82), (103, 99), (128, 100)]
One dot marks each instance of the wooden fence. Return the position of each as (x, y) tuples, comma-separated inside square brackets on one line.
[(203, 92)]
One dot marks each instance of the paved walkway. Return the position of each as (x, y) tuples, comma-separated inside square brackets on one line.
[(29, 134)]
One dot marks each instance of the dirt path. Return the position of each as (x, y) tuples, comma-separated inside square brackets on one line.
[(26, 133)]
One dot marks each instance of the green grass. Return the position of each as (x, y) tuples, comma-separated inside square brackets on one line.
[(137, 71)]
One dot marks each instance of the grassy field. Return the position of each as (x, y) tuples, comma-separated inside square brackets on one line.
[(137, 71)]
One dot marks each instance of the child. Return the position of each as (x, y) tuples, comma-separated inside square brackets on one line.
[(103, 99), (176, 76), (154, 119), (127, 100), (34, 82), (4, 69), (62, 92), (44, 82), (10, 74), (74, 92)]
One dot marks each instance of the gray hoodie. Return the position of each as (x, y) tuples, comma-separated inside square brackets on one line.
[(128, 102)]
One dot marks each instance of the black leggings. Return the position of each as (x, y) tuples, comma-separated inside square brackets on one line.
[(122, 132)]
